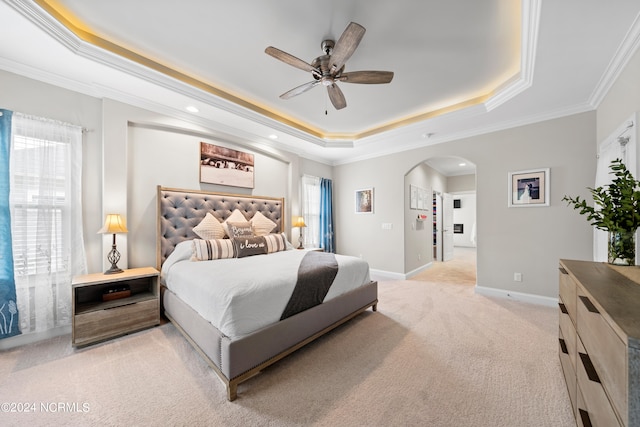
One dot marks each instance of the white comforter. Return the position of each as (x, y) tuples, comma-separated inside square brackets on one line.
[(241, 295)]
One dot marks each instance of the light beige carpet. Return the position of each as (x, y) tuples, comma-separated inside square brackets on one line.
[(460, 270), (435, 354)]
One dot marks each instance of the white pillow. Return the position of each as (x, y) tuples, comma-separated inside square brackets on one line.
[(236, 216), (209, 228), (262, 225)]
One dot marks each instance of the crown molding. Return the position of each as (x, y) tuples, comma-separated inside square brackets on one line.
[(620, 59)]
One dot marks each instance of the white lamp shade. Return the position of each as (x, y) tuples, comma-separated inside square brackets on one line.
[(113, 224), (299, 222)]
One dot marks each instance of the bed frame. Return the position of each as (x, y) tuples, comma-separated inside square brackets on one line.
[(236, 360)]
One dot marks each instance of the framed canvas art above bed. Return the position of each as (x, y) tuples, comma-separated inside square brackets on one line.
[(225, 166)]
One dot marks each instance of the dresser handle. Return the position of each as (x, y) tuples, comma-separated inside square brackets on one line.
[(588, 366), (562, 270), (587, 303), (584, 416), (563, 308), (563, 346)]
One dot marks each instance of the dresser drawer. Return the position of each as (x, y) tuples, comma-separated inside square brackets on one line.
[(592, 398), (606, 350), (102, 324), (567, 291), (568, 369), (569, 334)]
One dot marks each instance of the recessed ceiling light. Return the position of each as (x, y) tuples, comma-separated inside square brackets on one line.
[(462, 164), (273, 136), (192, 109)]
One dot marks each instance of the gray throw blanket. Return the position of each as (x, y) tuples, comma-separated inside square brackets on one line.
[(315, 276)]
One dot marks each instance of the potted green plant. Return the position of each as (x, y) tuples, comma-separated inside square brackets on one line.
[(618, 212)]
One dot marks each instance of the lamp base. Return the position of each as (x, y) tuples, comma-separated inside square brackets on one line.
[(113, 270), (113, 258)]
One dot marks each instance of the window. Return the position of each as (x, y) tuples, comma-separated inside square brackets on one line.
[(311, 210), (32, 254), (46, 219)]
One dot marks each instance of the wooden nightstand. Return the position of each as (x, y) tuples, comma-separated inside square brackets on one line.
[(95, 319)]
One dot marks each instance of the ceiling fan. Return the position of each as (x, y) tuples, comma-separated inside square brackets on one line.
[(328, 69)]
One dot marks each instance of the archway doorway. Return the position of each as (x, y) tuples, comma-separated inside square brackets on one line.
[(448, 180)]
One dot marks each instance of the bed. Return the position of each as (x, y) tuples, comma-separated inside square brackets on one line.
[(239, 347)]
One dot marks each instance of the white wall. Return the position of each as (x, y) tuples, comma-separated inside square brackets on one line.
[(149, 149), (44, 100), (418, 235), (621, 102), (525, 240)]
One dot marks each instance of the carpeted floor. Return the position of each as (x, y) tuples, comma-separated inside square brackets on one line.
[(435, 354)]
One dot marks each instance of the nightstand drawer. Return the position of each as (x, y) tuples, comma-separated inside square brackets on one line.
[(102, 324)]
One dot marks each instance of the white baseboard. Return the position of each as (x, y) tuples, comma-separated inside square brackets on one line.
[(517, 296), (417, 271), (386, 275), (389, 275)]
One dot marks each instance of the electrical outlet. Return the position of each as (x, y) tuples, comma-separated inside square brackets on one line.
[(517, 277)]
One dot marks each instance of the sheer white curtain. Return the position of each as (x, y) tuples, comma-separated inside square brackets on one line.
[(46, 219), (621, 145), (311, 210)]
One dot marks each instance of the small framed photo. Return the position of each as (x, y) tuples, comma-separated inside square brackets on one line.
[(529, 188), (364, 201)]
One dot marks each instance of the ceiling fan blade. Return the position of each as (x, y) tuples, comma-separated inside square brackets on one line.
[(300, 89), (366, 77), (346, 45), (336, 96), (289, 59)]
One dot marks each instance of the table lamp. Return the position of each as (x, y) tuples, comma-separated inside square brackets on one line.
[(112, 225), (299, 222)]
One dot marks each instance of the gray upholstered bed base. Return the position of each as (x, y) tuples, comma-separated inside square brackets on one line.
[(237, 360)]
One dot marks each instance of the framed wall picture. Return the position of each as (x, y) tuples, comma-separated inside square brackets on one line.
[(529, 188), (225, 166), (418, 198), (364, 201)]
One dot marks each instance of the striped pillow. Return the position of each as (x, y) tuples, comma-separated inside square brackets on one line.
[(275, 242), (204, 250)]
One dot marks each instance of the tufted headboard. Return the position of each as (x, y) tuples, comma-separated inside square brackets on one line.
[(181, 210)]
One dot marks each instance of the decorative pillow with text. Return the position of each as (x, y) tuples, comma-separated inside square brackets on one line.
[(249, 246), (240, 229), (236, 216)]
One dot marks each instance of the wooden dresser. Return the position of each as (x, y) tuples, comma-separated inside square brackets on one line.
[(600, 342)]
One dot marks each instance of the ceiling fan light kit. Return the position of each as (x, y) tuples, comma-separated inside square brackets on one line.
[(328, 69)]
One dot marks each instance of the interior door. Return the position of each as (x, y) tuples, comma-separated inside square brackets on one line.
[(447, 227)]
